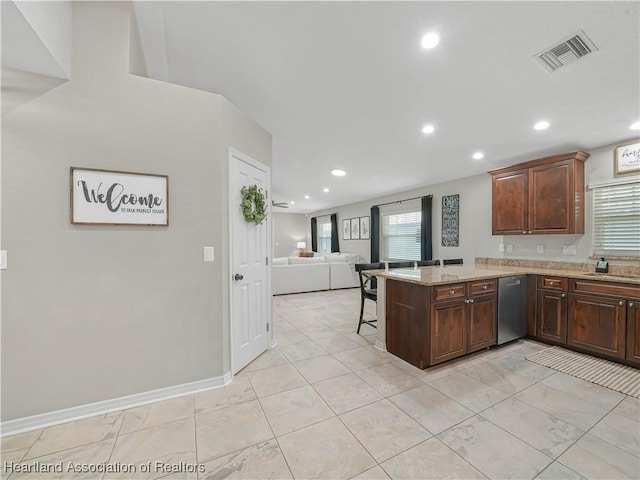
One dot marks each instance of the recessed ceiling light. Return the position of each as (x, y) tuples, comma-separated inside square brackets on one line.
[(306, 197), (541, 125), (430, 40), (292, 202), (635, 126), (478, 156), (428, 129), (325, 190), (338, 173)]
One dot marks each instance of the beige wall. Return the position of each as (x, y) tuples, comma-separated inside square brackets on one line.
[(475, 217), (288, 229), (91, 313)]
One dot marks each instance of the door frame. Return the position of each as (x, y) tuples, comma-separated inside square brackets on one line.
[(233, 156)]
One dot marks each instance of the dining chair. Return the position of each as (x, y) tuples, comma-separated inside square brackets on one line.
[(452, 261), (407, 264), (366, 292), (428, 263)]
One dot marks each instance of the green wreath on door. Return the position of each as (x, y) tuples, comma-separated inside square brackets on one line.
[(253, 204)]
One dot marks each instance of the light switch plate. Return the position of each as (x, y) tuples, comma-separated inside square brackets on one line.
[(501, 247), (509, 248), (3, 259), (208, 254), (569, 250)]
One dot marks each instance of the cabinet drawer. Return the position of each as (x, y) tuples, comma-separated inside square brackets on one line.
[(605, 288), (552, 283), (446, 292), (480, 287)]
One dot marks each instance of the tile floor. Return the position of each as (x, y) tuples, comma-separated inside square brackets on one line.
[(326, 404)]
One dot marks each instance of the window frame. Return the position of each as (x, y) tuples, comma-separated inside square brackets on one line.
[(603, 243), (321, 239), (409, 207)]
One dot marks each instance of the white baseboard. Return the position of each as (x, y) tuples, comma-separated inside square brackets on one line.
[(382, 346), (42, 420)]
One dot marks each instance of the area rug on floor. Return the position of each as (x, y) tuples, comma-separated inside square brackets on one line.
[(615, 376)]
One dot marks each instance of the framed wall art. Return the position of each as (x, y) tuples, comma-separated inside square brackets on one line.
[(346, 229), (110, 197), (627, 158), (450, 220), (364, 228), (355, 229)]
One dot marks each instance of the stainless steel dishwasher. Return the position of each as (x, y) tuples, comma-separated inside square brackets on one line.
[(512, 308)]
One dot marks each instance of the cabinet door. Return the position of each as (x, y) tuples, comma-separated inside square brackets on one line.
[(481, 331), (552, 316), (597, 324), (448, 331), (551, 198), (509, 203), (633, 331)]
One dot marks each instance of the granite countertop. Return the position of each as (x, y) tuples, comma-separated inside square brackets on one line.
[(460, 273)]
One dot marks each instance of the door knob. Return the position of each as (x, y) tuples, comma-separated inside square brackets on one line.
[(238, 276)]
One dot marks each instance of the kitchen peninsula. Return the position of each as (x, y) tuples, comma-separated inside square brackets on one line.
[(429, 315)]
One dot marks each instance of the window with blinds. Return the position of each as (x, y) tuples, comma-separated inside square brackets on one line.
[(324, 236), (616, 220), (401, 236)]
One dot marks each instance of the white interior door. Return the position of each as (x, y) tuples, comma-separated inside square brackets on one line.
[(250, 300)]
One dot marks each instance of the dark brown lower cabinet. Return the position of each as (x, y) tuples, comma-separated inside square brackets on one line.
[(448, 332), (428, 325), (482, 322), (407, 312), (597, 324), (633, 331), (552, 316)]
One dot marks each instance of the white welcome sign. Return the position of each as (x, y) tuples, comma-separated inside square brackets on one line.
[(118, 198)]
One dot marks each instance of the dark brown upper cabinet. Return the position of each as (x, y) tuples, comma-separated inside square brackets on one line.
[(540, 196)]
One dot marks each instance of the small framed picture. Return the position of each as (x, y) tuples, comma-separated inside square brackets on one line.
[(346, 229), (364, 228), (355, 229), (627, 158)]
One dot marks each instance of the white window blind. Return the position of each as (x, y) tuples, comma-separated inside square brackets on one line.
[(401, 236), (616, 220), (324, 236)]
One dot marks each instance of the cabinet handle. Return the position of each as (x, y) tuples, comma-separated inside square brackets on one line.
[(631, 304), (524, 231), (563, 295), (471, 300), (451, 292), (530, 231), (620, 302), (466, 300), (484, 287)]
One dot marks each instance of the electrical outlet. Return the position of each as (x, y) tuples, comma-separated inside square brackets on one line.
[(540, 248), (509, 248), (207, 254), (501, 247), (569, 250)]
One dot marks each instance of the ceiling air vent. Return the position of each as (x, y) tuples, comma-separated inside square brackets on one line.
[(568, 51)]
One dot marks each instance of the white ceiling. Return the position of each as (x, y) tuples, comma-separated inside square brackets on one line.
[(347, 85)]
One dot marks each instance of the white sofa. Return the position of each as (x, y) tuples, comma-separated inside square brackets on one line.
[(310, 274)]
